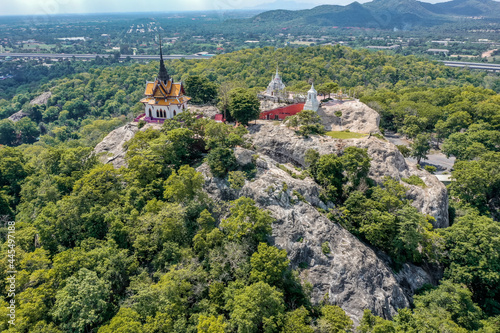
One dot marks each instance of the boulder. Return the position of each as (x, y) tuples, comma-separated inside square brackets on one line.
[(355, 117)]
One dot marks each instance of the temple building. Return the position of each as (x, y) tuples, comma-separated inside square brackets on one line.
[(312, 100), (164, 98), (276, 87)]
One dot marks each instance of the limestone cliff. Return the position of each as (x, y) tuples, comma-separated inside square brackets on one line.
[(352, 276), (285, 146)]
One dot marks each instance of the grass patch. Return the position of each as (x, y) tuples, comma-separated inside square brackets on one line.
[(291, 173), (345, 135), (414, 180)]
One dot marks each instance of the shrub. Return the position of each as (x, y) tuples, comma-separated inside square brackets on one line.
[(414, 180), (236, 179), (430, 168), (404, 150), (325, 247)]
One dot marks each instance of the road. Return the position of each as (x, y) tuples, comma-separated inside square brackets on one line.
[(93, 56), (435, 158), (473, 65)]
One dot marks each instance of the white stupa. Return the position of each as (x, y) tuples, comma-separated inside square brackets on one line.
[(312, 100), (276, 87)]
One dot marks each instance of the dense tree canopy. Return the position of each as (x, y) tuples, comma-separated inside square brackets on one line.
[(144, 249)]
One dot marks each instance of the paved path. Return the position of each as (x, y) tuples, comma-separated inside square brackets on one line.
[(93, 56), (435, 158)]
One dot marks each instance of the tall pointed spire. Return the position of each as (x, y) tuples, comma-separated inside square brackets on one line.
[(162, 75)]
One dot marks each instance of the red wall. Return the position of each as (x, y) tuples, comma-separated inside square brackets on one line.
[(282, 112)]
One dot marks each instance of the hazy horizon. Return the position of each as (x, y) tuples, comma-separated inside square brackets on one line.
[(61, 7)]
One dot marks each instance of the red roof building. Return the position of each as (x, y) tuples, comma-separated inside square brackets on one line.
[(282, 112)]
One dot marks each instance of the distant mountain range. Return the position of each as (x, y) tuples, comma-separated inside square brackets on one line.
[(401, 14), (288, 5)]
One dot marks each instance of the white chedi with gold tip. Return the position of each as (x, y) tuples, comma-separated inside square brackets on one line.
[(312, 100)]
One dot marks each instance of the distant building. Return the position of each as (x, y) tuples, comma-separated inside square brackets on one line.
[(276, 87), (312, 100), (392, 47), (164, 98), (439, 51)]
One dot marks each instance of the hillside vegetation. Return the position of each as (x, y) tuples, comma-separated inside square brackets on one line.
[(144, 249)]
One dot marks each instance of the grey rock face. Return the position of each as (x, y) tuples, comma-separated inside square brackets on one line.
[(356, 117), (110, 149), (42, 99), (39, 100), (207, 111), (352, 275), (283, 145), (17, 116)]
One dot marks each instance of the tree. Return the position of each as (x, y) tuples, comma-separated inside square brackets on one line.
[(477, 182), (268, 264), (244, 106), (258, 307), (413, 126), (247, 222), (28, 130), (307, 121), (297, 321), (330, 87), (220, 161), (420, 147), (200, 89), (311, 159), (211, 324), (219, 135), (125, 321), (454, 299), (7, 132), (184, 185), (329, 175), (472, 244), (83, 303), (334, 320), (356, 164), (224, 94)]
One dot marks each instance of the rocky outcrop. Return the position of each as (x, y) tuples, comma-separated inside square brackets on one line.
[(18, 116), (208, 111), (352, 275), (285, 146), (354, 116), (39, 100), (110, 150), (42, 99)]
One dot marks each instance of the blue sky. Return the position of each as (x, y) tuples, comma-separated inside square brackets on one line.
[(53, 7)]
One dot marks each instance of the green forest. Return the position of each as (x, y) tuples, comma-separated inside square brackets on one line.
[(144, 249)]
